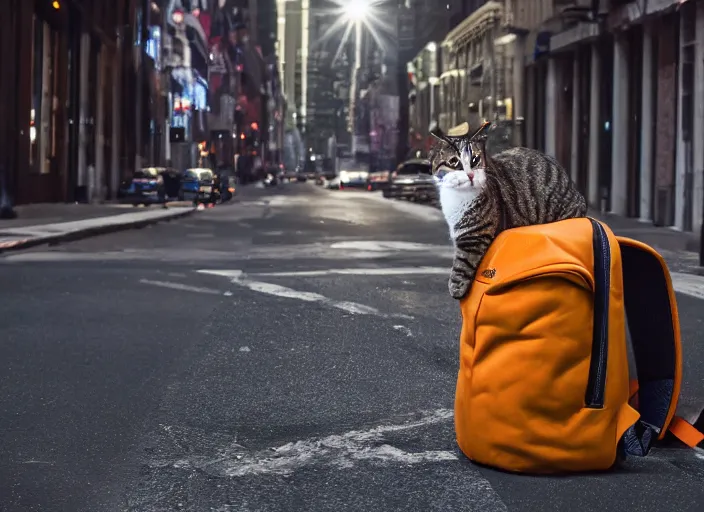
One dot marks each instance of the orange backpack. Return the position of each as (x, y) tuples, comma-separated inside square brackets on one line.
[(543, 384)]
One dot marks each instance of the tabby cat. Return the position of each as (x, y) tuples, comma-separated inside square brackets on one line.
[(483, 195)]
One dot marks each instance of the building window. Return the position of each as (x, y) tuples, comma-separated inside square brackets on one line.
[(42, 125)]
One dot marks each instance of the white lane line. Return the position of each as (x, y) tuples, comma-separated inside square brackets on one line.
[(689, 284), (385, 245), (238, 277), (402, 271), (342, 451), (180, 287), (404, 330)]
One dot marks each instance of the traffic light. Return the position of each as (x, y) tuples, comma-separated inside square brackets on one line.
[(177, 134)]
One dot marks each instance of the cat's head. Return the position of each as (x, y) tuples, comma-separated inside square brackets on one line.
[(460, 151)]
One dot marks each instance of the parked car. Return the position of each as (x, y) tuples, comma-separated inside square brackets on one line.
[(413, 180), (301, 174), (328, 168), (290, 175), (353, 179), (150, 185), (378, 180), (197, 185), (311, 167)]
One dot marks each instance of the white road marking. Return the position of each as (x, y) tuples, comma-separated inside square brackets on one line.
[(383, 246), (402, 271), (404, 330), (342, 451), (242, 251), (689, 284), (419, 211), (245, 349), (237, 277), (181, 287)]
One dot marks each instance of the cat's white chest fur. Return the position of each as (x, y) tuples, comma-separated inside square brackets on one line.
[(456, 195)]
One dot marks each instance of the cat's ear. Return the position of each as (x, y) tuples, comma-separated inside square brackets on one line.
[(437, 132), (481, 133)]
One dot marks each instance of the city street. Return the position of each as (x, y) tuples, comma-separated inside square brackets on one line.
[(294, 350)]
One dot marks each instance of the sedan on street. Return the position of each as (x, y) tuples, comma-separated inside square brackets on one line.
[(412, 180)]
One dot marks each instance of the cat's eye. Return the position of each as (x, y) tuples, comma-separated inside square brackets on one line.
[(454, 162), (476, 160)]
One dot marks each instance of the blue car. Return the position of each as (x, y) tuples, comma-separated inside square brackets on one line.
[(197, 185), (146, 187)]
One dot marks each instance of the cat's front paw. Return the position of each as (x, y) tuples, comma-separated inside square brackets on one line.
[(458, 288)]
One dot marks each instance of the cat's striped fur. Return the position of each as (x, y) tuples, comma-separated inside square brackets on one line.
[(517, 187)]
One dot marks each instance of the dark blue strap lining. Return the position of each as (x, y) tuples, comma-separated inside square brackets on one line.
[(639, 438), (652, 337)]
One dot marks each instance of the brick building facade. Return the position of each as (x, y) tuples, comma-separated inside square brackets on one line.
[(74, 68)]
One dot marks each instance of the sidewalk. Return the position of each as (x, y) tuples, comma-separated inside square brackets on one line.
[(57, 222), (657, 237)]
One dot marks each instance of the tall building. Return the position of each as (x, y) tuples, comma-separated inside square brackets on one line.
[(243, 111), (328, 71), (613, 91), (314, 74), (421, 51), (78, 112), (289, 41), (185, 55)]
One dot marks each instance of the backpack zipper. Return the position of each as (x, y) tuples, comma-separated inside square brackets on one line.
[(596, 383)]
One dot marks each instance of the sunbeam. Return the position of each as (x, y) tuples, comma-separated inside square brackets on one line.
[(370, 13)]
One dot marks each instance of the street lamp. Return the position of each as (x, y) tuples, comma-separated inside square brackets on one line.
[(356, 10)]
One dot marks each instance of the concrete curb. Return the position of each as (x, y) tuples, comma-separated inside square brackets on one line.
[(81, 233)]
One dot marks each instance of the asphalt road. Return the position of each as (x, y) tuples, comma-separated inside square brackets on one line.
[(275, 354)]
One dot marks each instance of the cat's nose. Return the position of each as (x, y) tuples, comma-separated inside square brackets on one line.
[(471, 175)]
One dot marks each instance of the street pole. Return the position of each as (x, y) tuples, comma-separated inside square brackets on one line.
[(492, 57), (431, 84), (166, 84), (701, 237), (353, 85)]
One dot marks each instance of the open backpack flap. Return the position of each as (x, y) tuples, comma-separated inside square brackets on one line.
[(653, 324), (544, 384)]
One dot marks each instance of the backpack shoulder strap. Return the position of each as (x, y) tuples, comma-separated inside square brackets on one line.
[(653, 325)]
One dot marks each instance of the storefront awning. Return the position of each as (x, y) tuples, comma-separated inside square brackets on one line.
[(637, 10), (473, 24), (581, 32)]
